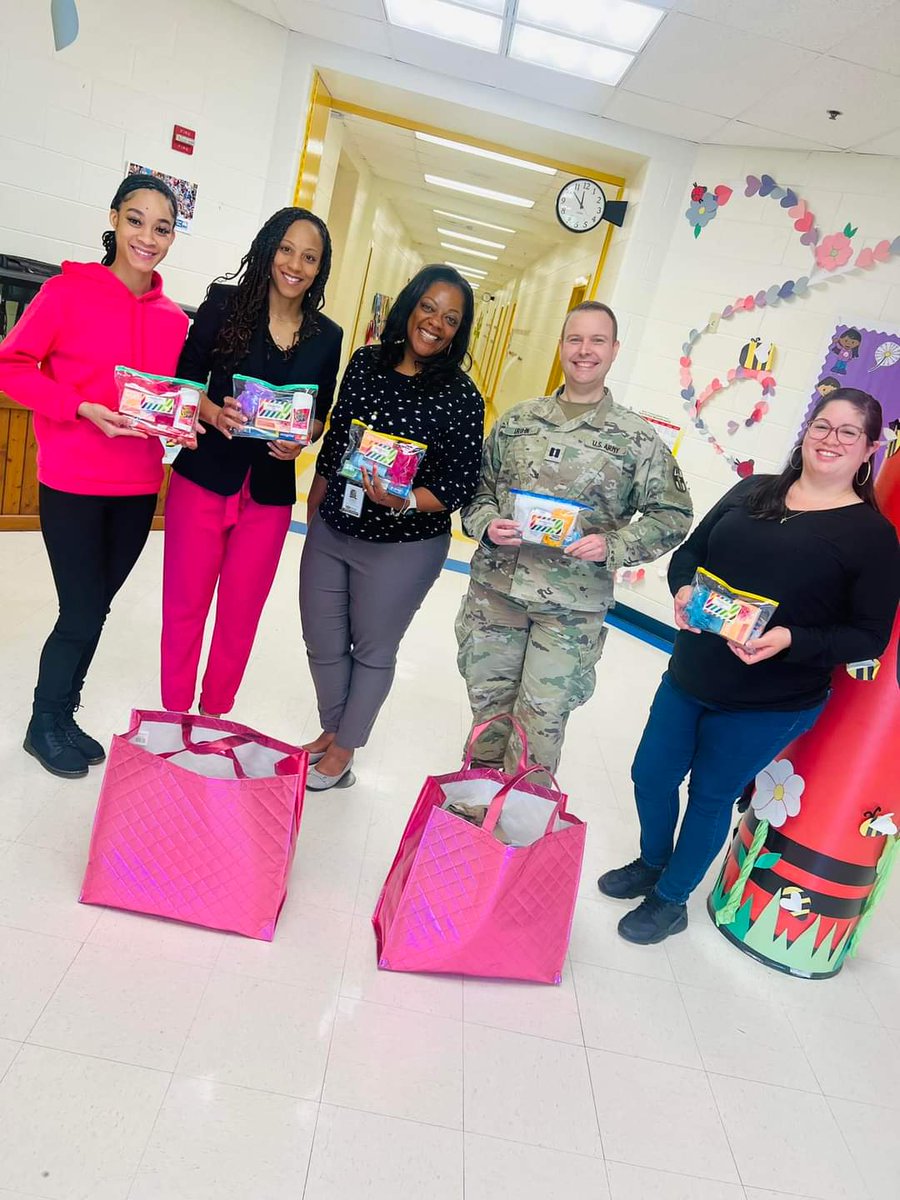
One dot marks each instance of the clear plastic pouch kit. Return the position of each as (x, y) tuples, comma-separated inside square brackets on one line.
[(275, 414), (167, 407), (714, 607), (547, 520), (395, 459)]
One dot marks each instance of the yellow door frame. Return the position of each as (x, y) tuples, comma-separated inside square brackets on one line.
[(322, 103)]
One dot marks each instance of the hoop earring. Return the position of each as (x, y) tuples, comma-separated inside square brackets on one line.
[(795, 466), (863, 482)]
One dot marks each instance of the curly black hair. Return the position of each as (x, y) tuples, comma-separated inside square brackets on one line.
[(134, 183), (253, 275), (393, 339)]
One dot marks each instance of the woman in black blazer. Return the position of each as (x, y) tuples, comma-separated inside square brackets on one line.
[(229, 504)]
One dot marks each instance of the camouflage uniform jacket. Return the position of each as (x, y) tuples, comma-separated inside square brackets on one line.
[(611, 459)]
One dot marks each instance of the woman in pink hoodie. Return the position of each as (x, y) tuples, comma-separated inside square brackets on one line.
[(98, 478)]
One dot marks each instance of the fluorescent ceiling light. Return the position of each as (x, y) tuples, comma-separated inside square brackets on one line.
[(486, 193), (471, 221), (619, 23), (464, 270), (466, 250), (447, 20), (466, 237), (567, 54), (491, 154)]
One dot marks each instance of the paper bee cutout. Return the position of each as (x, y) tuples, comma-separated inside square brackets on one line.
[(878, 824), (755, 358)]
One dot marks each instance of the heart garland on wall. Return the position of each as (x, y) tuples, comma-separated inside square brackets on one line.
[(833, 256)]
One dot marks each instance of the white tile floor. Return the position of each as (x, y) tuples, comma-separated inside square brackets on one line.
[(143, 1060)]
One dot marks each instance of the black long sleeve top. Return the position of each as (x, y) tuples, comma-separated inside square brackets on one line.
[(447, 415), (835, 575), (220, 464)]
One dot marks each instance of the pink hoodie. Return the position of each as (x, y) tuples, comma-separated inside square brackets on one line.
[(64, 350)]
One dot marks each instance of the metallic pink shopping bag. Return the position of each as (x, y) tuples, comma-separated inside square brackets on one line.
[(457, 900), (197, 821)]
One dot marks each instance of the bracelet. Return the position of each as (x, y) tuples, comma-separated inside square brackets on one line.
[(402, 510)]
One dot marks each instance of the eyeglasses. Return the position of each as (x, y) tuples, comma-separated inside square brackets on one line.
[(847, 435)]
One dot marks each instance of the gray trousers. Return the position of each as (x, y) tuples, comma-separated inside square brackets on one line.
[(357, 599)]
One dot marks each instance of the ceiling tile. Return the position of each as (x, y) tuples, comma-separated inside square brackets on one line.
[(873, 42), (705, 67), (662, 117), (888, 143), (740, 133), (326, 21), (814, 24), (869, 101)]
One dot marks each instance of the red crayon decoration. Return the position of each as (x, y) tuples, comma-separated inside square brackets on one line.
[(812, 853)]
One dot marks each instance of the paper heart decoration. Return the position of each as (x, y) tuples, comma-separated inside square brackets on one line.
[(722, 194), (789, 200), (752, 186), (800, 209), (760, 299), (865, 259), (684, 361), (802, 224), (766, 184), (773, 294), (882, 251), (810, 237), (786, 289), (727, 311), (733, 427)]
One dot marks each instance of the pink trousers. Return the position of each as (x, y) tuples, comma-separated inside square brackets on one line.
[(227, 540)]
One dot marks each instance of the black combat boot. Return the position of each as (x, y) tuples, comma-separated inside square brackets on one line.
[(47, 739), (89, 748)]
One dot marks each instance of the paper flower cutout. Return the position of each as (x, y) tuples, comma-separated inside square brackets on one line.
[(778, 792), (702, 211), (886, 355), (835, 250)]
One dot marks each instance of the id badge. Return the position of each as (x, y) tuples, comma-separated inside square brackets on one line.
[(353, 500)]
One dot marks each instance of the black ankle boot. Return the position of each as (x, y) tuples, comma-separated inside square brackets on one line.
[(653, 921), (629, 882), (89, 748), (47, 740)]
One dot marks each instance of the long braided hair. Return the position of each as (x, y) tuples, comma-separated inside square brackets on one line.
[(134, 183), (254, 274)]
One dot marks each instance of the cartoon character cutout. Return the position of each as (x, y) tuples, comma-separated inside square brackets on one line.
[(826, 386), (845, 348)]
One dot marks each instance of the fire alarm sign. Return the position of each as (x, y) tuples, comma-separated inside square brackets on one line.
[(183, 139)]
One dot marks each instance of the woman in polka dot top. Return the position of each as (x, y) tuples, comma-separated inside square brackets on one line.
[(370, 557)]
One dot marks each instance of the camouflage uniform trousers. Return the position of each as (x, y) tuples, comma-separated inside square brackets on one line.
[(535, 661)]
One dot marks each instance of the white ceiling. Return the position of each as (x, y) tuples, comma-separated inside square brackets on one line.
[(401, 161), (730, 72)]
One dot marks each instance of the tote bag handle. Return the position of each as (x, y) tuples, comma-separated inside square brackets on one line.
[(496, 808)]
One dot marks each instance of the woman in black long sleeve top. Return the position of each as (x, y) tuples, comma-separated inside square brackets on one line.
[(370, 558), (229, 504), (811, 538)]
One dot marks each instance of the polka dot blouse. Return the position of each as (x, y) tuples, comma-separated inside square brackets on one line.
[(447, 415)]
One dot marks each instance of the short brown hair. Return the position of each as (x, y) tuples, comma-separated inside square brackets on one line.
[(592, 306)]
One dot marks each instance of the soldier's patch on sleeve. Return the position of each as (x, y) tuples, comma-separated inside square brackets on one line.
[(678, 478)]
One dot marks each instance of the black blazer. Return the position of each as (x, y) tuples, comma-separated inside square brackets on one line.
[(221, 465)]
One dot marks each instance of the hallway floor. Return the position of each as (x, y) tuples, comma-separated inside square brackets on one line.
[(146, 1060)]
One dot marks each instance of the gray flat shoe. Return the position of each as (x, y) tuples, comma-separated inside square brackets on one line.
[(317, 782)]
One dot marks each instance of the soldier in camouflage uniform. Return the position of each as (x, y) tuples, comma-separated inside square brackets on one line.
[(530, 628)]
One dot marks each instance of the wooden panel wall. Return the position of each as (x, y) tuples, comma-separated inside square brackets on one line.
[(18, 471)]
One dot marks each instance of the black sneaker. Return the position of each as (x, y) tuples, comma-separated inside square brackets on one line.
[(627, 883), (89, 748), (653, 921), (46, 740)]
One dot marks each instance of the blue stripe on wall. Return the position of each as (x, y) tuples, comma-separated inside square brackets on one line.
[(628, 620)]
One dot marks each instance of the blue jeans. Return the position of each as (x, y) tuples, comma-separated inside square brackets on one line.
[(723, 750)]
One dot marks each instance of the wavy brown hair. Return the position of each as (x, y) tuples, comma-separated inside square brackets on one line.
[(251, 299), (767, 501)]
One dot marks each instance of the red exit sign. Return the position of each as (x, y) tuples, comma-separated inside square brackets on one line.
[(183, 139)]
